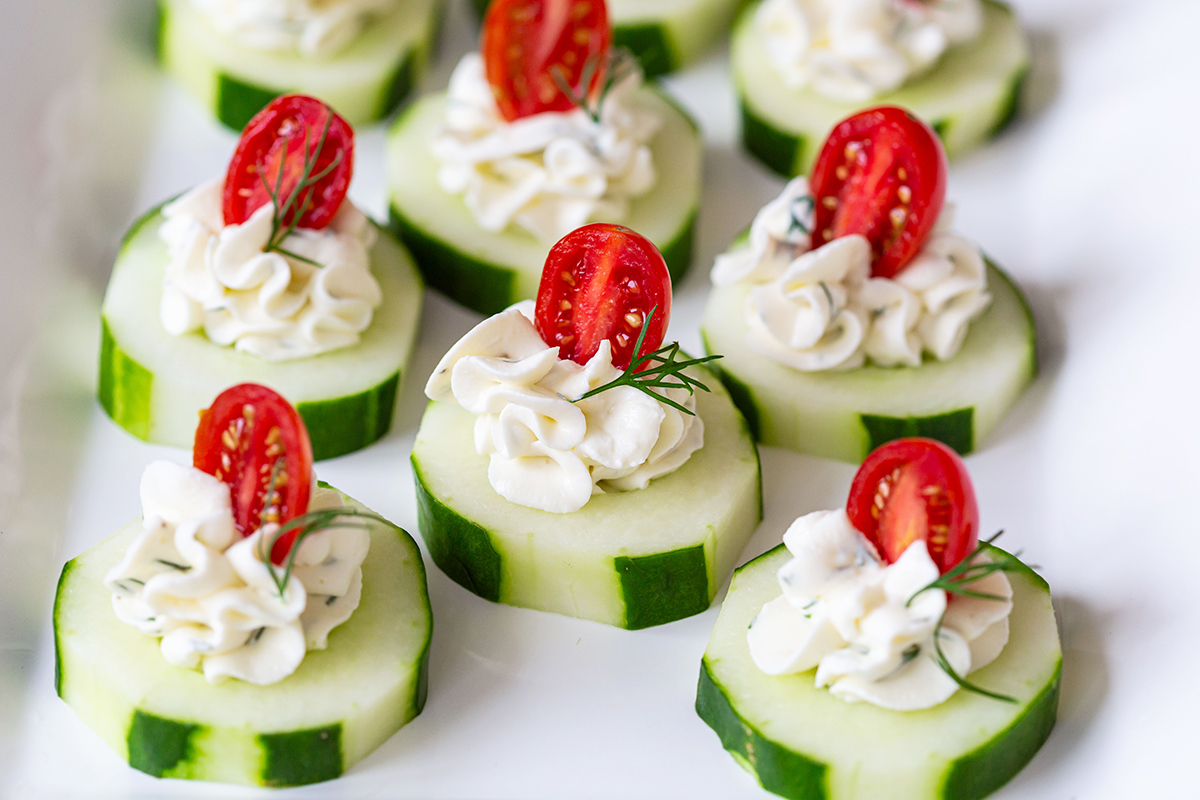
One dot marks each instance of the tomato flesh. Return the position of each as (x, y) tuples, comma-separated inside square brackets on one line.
[(601, 282), (913, 490), (272, 152), (248, 436), (528, 43), (882, 175)]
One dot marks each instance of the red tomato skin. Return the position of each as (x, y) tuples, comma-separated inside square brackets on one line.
[(240, 437), (929, 496), (525, 42), (871, 162), (600, 282), (258, 154)]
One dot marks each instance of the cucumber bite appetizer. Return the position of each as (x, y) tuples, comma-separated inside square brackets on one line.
[(801, 65), (363, 57), (568, 463), (545, 130), (254, 626), (852, 314), (266, 274), (664, 35), (882, 651)]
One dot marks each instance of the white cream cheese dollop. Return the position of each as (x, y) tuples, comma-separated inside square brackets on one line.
[(547, 173), (220, 281), (845, 613), (190, 579), (854, 50), (544, 451), (820, 309), (309, 27)]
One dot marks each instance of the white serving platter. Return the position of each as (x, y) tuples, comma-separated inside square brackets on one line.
[(1091, 202)]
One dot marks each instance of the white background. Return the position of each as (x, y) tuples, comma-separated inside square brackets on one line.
[(1092, 202)]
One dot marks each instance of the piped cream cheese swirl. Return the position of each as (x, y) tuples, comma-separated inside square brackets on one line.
[(848, 615), (547, 173), (854, 50), (191, 580), (309, 27), (545, 451), (219, 281), (819, 309)]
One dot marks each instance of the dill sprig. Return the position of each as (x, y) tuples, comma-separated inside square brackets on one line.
[(618, 64), (656, 370), (288, 210), (956, 581), (307, 524)]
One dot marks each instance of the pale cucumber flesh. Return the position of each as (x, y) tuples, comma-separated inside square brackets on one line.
[(338, 706)]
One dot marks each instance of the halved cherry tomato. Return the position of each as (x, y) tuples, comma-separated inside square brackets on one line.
[(601, 282), (247, 434), (276, 139), (527, 43), (881, 174), (916, 489)]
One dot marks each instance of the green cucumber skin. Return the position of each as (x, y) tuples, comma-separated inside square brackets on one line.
[(491, 288), (124, 387), (347, 424), (297, 758), (788, 153), (793, 775), (776, 768), (664, 587), (459, 547), (58, 595), (780, 151), (478, 285), (162, 748), (172, 748)]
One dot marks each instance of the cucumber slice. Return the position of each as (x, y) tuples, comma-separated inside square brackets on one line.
[(154, 385), (969, 97), (488, 272), (364, 82), (167, 721), (846, 415), (803, 743), (664, 35), (632, 559)]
